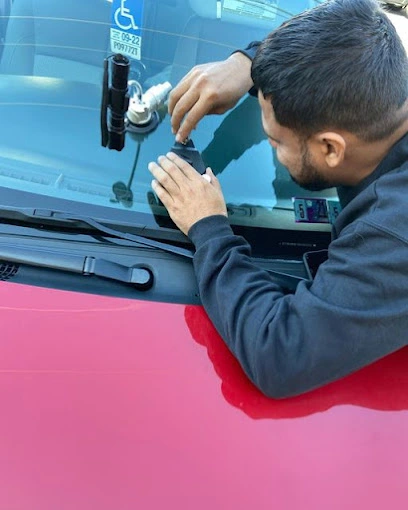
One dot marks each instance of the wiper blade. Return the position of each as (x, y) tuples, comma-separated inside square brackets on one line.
[(27, 213), (140, 277)]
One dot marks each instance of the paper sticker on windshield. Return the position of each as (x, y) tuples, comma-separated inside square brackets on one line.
[(261, 9), (126, 33)]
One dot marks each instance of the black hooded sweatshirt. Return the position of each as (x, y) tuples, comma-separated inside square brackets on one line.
[(353, 313)]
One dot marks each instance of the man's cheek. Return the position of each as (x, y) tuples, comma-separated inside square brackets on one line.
[(288, 159), (280, 156)]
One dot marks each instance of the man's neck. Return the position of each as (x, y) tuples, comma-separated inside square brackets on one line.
[(365, 157)]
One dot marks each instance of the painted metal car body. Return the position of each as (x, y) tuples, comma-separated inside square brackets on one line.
[(116, 397), (118, 403)]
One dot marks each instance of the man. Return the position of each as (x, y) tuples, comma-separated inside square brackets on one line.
[(333, 89)]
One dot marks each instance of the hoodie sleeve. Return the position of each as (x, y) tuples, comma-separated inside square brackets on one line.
[(352, 314), (250, 50)]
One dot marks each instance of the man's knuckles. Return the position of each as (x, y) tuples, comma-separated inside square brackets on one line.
[(169, 167), (165, 180)]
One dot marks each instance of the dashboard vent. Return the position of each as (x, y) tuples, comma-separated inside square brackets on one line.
[(7, 270)]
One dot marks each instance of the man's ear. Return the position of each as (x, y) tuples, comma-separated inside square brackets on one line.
[(331, 147)]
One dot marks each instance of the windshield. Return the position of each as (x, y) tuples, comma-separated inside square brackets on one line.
[(51, 79)]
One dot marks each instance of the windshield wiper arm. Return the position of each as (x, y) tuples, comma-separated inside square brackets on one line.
[(284, 279), (141, 277)]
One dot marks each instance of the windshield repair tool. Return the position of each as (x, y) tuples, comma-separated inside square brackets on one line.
[(125, 107), (187, 151), (115, 102), (142, 115)]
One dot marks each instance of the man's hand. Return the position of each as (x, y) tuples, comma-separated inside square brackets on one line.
[(187, 195), (206, 89)]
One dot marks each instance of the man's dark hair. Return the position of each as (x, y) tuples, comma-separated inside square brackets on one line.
[(341, 65)]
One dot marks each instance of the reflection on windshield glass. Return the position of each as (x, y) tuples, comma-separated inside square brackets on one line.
[(51, 82)]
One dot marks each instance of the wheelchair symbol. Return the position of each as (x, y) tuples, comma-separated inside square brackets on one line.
[(123, 18)]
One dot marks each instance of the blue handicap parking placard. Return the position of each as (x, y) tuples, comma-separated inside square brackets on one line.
[(126, 29)]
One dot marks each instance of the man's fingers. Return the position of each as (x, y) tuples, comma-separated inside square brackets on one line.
[(213, 179), (178, 92), (193, 117), (184, 167), (185, 109), (163, 195), (165, 175), (173, 173), (176, 176)]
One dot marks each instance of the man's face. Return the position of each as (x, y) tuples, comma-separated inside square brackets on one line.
[(292, 152)]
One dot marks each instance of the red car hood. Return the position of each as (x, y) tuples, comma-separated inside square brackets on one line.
[(120, 404)]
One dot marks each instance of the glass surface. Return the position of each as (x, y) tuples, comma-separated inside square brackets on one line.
[(51, 88)]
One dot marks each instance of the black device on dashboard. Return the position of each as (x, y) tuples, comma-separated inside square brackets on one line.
[(313, 260)]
